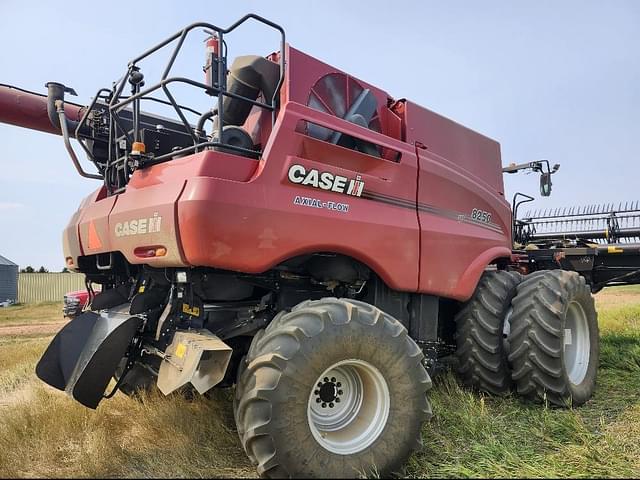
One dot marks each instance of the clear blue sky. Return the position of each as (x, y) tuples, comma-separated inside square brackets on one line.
[(547, 79)]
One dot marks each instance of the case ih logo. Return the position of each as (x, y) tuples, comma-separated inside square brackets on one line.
[(326, 180), (139, 226)]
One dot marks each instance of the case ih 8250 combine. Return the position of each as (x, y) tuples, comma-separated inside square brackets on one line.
[(318, 244)]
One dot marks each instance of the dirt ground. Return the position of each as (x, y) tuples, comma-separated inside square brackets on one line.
[(48, 328), (617, 297)]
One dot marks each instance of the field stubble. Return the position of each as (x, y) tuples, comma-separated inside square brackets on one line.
[(44, 434)]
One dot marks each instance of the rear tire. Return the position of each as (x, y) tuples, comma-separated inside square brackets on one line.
[(554, 338), (334, 388), (480, 333)]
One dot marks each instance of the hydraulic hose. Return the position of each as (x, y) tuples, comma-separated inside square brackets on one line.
[(203, 118)]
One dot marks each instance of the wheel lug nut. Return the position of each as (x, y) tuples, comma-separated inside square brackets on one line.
[(318, 400), (333, 379), (326, 379), (319, 384), (337, 400), (339, 392), (324, 405), (331, 405), (338, 384), (316, 392)]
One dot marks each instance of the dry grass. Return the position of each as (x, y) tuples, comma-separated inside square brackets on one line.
[(20, 314), (618, 297), (44, 434), (156, 437), (17, 361)]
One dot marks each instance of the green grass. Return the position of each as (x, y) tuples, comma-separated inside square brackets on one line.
[(43, 433), (473, 435)]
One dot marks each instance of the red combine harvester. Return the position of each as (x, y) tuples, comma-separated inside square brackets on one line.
[(312, 240)]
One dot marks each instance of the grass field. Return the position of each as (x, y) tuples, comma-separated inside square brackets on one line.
[(43, 433)]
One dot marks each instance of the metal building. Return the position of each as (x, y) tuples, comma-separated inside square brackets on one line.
[(8, 280)]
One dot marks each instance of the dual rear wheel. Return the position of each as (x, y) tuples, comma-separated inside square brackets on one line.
[(537, 334), (337, 388)]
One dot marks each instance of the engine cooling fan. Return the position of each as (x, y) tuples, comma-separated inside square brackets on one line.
[(340, 95)]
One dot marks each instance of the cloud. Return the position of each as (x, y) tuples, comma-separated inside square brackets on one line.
[(10, 205)]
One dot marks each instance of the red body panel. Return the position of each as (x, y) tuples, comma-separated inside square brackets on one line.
[(253, 226), (415, 224), (460, 170)]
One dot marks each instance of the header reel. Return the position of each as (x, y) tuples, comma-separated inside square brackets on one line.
[(596, 224)]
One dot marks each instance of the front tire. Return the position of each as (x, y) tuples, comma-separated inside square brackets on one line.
[(554, 338), (334, 388)]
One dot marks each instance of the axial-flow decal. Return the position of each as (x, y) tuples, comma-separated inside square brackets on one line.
[(317, 203)]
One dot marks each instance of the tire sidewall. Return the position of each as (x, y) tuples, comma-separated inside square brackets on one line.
[(321, 355)]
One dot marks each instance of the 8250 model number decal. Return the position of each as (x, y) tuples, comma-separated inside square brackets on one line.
[(480, 215)]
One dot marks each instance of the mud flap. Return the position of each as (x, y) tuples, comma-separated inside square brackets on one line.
[(83, 356), (196, 357)]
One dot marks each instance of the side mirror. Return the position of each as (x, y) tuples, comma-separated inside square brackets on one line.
[(545, 184)]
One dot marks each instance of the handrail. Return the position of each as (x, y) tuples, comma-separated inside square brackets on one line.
[(67, 142), (113, 102)]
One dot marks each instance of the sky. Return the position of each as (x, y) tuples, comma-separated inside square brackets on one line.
[(556, 80)]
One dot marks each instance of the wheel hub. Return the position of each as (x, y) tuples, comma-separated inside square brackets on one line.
[(328, 392), (348, 407)]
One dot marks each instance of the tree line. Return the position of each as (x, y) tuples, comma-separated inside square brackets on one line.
[(30, 269)]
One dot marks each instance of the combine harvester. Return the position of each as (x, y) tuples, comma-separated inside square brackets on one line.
[(320, 245), (601, 242)]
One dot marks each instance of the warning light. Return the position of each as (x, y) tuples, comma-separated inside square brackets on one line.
[(138, 148), (150, 252)]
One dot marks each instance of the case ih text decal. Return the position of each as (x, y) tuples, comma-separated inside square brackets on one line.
[(139, 226), (326, 180)]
